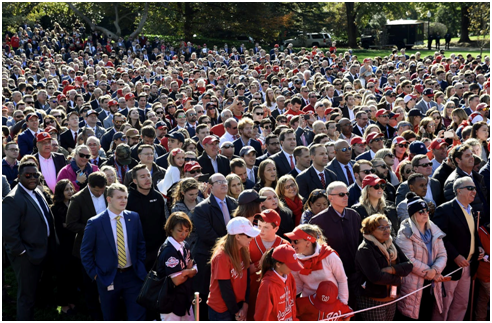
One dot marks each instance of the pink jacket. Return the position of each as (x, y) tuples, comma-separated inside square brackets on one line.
[(412, 245), (68, 173)]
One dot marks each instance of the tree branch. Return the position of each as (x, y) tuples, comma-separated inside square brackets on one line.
[(142, 21), (93, 26), (117, 19)]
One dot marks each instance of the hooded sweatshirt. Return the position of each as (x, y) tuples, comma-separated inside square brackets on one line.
[(276, 298), (306, 311), (150, 208)]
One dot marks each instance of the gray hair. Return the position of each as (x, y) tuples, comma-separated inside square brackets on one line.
[(333, 185), (98, 142), (79, 148), (228, 122), (224, 112), (459, 183)]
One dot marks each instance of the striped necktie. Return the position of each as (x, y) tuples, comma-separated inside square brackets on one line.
[(121, 243)]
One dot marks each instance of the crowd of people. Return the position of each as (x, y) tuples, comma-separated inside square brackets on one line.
[(280, 185)]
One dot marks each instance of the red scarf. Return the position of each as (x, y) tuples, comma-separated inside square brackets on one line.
[(296, 207), (315, 263)]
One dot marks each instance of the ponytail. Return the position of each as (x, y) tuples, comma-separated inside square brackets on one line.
[(268, 263)]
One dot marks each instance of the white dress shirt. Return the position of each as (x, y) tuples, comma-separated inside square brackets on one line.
[(112, 217), (98, 202)]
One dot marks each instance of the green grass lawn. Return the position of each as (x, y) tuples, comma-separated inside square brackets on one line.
[(363, 53), (49, 313)]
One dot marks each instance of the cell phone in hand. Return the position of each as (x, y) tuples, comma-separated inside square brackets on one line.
[(448, 134)]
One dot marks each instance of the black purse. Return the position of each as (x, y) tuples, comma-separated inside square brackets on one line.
[(157, 294)]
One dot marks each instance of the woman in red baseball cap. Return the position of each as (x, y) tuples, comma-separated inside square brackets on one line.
[(320, 262), (277, 293)]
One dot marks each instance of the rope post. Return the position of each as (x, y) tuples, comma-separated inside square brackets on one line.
[(196, 302)]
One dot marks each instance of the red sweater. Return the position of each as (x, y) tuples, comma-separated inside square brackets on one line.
[(276, 299), (483, 272)]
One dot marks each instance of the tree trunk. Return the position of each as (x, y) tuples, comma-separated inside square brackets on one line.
[(145, 14), (188, 23), (465, 24), (351, 27)]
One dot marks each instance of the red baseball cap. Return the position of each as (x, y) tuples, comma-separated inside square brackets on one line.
[(191, 165), (50, 129), (79, 79), (129, 96), (60, 96), (328, 111), (357, 140), (286, 254), (42, 136), (4, 108), (438, 143), (381, 112), (419, 88), (373, 135), (209, 139), (276, 68), (399, 140), (112, 102), (325, 296), (270, 216), (276, 46), (299, 234), (372, 180), (367, 60)]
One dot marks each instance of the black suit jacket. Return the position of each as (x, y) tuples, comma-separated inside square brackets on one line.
[(450, 219), (308, 134), (365, 156), (336, 168), (437, 192), (308, 181), (223, 164), (58, 160), (94, 104), (281, 163), (66, 140), (24, 227), (357, 131), (238, 144), (80, 209), (391, 131), (294, 173), (261, 158)]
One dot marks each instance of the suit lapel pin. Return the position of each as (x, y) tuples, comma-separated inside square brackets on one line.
[(128, 220)]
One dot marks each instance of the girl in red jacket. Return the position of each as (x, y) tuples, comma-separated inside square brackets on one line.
[(277, 293)]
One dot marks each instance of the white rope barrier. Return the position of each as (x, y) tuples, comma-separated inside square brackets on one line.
[(386, 304)]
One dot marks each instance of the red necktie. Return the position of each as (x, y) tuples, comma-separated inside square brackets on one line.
[(349, 176), (428, 105), (75, 138), (323, 182), (291, 162)]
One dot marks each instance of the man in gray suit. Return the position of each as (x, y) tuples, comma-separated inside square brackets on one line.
[(342, 165), (28, 235), (427, 101), (422, 165), (113, 108)]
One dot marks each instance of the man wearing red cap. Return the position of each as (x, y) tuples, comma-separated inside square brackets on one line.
[(375, 141), (268, 223), (50, 163), (427, 101), (382, 121), (211, 161), (439, 148)]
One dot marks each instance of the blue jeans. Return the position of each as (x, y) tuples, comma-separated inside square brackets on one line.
[(216, 316)]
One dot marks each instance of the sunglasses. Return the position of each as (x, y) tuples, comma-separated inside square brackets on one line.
[(408, 171), (379, 186), (29, 175), (345, 149), (227, 146), (187, 159), (195, 171), (49, 121), (384, 228), (341, 194), (403, 145), (423, 211), (470, 188), (382, 166), (212, 107), (368, 171), (63, 101), (267, 127), (390, 156), (377, 139), (426, 165), (84, 156)]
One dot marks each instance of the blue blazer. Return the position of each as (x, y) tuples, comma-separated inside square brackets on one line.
[(98, 250), (26, 142)]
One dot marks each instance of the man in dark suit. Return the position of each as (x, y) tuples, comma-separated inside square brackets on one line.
[(421, 164), (316, 176), (303, 160), (88, 202), (304, 136), (238, 167), (211, 216), (360, 124), (272, 147), (211, 161), (342, 165), (26, 139), (113, 254), (284, 159), (456, 219), (68, 139), (382, 117), (245, 128), (29, 236), (375, 141)]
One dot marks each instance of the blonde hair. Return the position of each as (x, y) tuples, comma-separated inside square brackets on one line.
[(229, 245)]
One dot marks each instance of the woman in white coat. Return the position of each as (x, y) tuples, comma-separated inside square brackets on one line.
[(421, 241), (320, 261)]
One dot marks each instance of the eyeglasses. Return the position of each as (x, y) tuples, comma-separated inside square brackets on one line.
[(368, 171), (181, 117), (341, 194), (61, 101), (196, 171), (384, 228), (171, 107), (384, 115), (423, 211), (288, 187), (425, 165), (408, 171), (403, 145), (377, 139), (227, 146), (187, 159), (221, 182), (29, 175), (19, 116), (390, 156), (191, 114), (470, 188), (379, 186), (212, 107), (345, 149), (267, 126), (84, 156), (382, 166), (51, 88), (49, 121)]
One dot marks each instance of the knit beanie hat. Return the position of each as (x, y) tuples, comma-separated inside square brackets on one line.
[(415, 203)]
